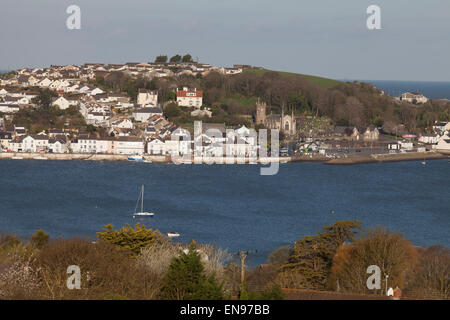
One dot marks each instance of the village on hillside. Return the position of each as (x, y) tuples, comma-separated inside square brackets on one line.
[(121, 125)]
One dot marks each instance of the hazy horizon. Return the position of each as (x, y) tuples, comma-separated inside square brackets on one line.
[(323, 38)]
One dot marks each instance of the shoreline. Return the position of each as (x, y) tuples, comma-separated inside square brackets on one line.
[(380, 158)]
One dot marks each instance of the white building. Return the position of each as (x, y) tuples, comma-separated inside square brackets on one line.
[(62, 103), (129, 145), (147, 97), (156, 147), (144, 114), (189, 98), (414, 97), (123, 124), (57, 145), (429, 138), (443, 145)]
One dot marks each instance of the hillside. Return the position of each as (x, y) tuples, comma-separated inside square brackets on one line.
[(324, 82)]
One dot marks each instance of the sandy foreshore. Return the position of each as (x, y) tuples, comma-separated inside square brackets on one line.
[(74, 156), (410, 156)]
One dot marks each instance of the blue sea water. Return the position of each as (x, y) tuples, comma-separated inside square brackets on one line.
[(229, 205), (433, 90)]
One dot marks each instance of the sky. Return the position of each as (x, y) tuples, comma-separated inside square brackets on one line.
[(327, 38)]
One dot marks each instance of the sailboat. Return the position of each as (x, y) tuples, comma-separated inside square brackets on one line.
[(142, 214)]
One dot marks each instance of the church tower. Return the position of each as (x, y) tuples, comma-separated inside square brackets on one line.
[(260, 112)]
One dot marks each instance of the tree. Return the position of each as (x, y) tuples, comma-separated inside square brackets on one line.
[(172, 110), (45, 97), (176, 58), (187, 58), (40, 238), (280, 256), (391, 252), (161, 59), (131, 239), (187, 280), (431, 275), (312, 256)]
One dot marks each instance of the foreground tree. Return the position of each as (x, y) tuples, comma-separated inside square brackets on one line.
[(391, 252), (40, 238), (187, 280), (129, 238), (311, 260), (431, 276)]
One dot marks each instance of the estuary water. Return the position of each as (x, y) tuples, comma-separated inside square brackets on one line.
[(232, 206)]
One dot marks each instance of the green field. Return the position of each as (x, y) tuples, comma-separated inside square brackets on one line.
[(325, 82)]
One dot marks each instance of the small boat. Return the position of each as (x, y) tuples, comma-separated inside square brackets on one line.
[(136, 158), (142, 213), (17, 158), (173, 234), (40, 158)]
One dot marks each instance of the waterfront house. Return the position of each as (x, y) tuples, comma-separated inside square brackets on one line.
[(5, 138), (443, 145), (85, 144), (156, 147), (371, 134), (429, 138), (15, 145), (406, 145), (394, 146), (57, 144), (129, 145)]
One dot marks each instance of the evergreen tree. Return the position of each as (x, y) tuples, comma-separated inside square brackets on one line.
[(40, 238), (312, 256), (131, 239), (187, 280)]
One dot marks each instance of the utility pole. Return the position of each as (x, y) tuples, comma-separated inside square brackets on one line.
[(243, 255), (387, 276)]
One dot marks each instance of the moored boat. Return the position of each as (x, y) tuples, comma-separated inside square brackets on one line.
[(142, 213), (136, 158), (173, 234)]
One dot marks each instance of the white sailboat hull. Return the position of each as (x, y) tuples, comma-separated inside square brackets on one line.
[(143, 215), (173, 234)]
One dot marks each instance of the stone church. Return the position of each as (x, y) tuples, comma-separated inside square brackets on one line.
[(285, 123)]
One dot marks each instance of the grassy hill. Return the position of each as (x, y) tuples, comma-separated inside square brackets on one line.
[(325, 82)]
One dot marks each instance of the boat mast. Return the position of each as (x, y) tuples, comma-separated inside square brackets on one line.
[(142, 200)]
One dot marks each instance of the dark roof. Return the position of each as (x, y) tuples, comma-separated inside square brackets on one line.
[(149, 110)]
